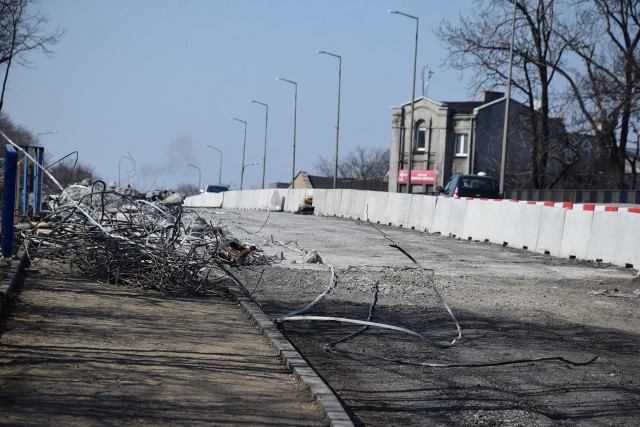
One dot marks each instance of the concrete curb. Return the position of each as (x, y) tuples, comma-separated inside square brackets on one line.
[(333, 410), (18, 264)]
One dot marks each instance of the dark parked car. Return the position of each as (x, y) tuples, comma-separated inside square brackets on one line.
[(477, 186), (216, 188)]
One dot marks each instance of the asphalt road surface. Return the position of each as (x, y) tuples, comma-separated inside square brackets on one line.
[(531, 324)]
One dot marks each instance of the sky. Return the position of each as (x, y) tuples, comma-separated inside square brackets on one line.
[(159, 80)]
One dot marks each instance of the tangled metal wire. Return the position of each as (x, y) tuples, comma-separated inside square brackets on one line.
[(108, 236)]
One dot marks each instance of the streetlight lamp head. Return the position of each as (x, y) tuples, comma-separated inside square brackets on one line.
[(392, 11)]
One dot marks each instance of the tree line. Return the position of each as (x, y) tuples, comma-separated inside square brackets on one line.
[(576, 60)]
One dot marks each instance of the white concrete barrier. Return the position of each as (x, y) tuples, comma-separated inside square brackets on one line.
[(586, 231), (524, 234), (319, 201), (505, 224), (276, 202), (398, 209), (629, 247), (212, 200), (231, 199), (353, 203), (415, 212), (332, 201), (292, 199), (376, 208), (450, 215), (428, 213), (248, 199), (551, 229), (575, 234), (477, 224), (606, 233)]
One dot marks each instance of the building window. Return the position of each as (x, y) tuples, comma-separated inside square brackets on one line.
[(420, 139), (462, 145)]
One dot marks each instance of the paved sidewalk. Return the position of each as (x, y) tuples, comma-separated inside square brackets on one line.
[(74, 352)]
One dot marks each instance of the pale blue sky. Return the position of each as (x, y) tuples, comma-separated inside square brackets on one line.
[(160, 79)]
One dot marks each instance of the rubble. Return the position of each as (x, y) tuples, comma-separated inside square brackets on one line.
[(116, 235)]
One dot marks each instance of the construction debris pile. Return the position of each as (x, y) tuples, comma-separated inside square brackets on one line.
[(109, 236)]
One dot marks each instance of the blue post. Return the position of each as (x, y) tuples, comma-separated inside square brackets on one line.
[(37, 180), (9, 199)]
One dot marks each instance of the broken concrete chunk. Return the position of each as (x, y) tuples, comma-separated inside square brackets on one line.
[(313, 258)]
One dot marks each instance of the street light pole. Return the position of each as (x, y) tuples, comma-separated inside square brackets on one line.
[(505, 129), (220, 171), (244, 149), (335, 166), (264, 154), (295, 113), (44, 133), (199, 175), (413, 95)]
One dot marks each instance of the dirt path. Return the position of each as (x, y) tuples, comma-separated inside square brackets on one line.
[(512, 306), (80, 353)]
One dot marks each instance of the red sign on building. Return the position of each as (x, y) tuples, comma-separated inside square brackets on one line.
[(418, 176)]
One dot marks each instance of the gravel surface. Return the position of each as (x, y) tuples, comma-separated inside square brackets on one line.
[(513, 307)]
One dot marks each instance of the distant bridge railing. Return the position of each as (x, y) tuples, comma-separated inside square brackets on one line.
[(577, 196)]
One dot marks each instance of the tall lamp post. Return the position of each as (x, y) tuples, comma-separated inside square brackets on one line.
[(244, 149), (505, 129), (413, 94), (295, 112), (199, 175), (264, 154), (335, 166), (220, 172)]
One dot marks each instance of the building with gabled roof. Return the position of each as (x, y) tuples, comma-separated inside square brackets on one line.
[(459, 137)]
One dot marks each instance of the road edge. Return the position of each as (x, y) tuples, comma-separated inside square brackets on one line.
[(11, 281), (331, 407)]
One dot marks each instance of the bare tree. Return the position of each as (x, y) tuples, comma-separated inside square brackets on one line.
[(17, 133), (361, 162), (481, 44), (22, 30), (187, 189), (605, 86), (69, 171)]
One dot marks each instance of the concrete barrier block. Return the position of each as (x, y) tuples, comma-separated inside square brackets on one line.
[(262, 198), (551, 230), (415, 212), (475, 221), (246, 199), (575, 234), (231, 200), (276, 202), (211, 200), (398, 209), (449, 216), (524, 234), (628, 254), (428, 213), (505, 225), (319, 201), (376, 207), (191, 201), (353, 204), (293, 199), (333, 199), (607, 230), (348, 197)]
